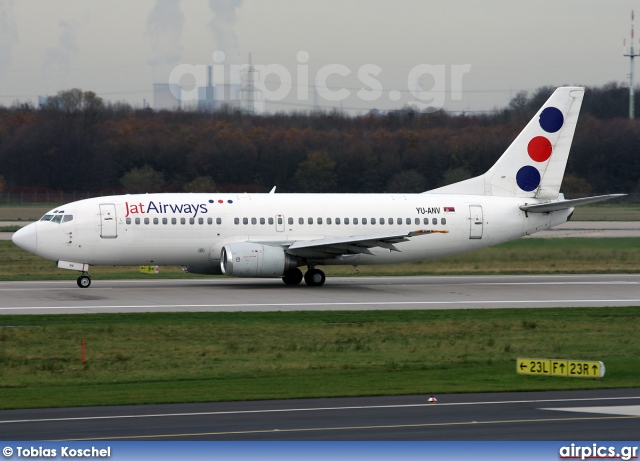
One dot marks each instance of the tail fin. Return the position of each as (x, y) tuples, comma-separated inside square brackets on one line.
[(533, 165)]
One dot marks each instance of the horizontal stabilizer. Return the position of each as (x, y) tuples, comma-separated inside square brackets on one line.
[(564, 204)]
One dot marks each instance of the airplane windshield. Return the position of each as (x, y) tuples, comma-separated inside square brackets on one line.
[(57, 218)]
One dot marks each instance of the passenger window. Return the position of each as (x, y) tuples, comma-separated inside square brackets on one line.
[(300, 220), (192, 221), (156, 221), (408, 220), (417, 221), (290, 221), (434, 221), (200, 220), (236, 221), (245, 221), (165, 220), (346, 220), (381, 221), (328, 220), (137, 220), (254, 221), (183, 221), (373, 221), (174, 221), (425, 221), (271, 221), (355, 220), (399, 220), (146, 220), (310, 220), (443, 221), (337, 220), (319, 220), (364, 221), (128, 220), (262, 221), (218, 220), (209, 221)]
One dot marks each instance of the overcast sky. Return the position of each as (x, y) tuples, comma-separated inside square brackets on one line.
[(480, 52)]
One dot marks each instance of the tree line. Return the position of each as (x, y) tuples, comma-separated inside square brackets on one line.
[(77, 142)]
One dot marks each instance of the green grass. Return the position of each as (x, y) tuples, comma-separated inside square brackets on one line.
[(524, 256), (607, 212), (193, 357)]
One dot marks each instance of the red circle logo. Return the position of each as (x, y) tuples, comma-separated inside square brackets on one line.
[(539, 149)]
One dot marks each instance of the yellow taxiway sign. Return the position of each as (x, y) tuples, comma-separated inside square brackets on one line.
[(560, 367)]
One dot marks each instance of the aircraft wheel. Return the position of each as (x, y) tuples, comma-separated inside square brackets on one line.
[(314, 278), (84, 281), (293, 277)]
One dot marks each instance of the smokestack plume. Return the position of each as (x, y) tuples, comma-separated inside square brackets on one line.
[(8, 36), (59, 57), (222, 25), (164, 26)]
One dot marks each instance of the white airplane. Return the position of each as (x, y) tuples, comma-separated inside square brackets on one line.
[(273, 235)]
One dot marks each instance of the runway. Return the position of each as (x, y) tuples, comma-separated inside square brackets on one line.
[(339, 293), (612, 414)]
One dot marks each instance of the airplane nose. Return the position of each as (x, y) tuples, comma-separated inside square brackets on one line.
[(27, 237)]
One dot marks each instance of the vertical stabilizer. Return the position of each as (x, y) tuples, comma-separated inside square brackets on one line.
[(533, 165)]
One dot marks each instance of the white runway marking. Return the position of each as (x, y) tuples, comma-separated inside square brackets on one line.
[(627, 410), (291, 410)]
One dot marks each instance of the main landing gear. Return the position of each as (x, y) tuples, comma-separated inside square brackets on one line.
[(84, 281), (313, 277)]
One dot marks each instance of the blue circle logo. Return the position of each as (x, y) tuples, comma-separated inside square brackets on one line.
[(551, 119), (528, 178)]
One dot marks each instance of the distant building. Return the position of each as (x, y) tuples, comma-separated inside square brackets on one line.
[(166, 96), (229, 95), (42, 101), (206, 99)]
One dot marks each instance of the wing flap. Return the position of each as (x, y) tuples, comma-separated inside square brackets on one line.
[(356, 244)]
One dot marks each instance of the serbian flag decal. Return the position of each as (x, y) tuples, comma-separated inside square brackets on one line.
[(449, 209)]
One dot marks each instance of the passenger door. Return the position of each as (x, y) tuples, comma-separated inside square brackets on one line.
[(475, 222), (108, 222)]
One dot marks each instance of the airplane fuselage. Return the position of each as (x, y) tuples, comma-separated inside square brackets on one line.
[(191, 229)]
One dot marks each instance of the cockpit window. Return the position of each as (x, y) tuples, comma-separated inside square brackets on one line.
[(57, 218)]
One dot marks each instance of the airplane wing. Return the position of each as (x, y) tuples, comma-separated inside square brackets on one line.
[(356, 244), (564, 204)]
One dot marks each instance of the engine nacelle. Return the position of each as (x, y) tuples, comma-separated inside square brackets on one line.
[(255, 260)]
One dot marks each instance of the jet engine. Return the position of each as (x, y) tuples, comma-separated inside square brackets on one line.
[(255, 260)]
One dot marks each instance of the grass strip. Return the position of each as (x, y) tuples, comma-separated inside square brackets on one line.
[(197, 357)]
